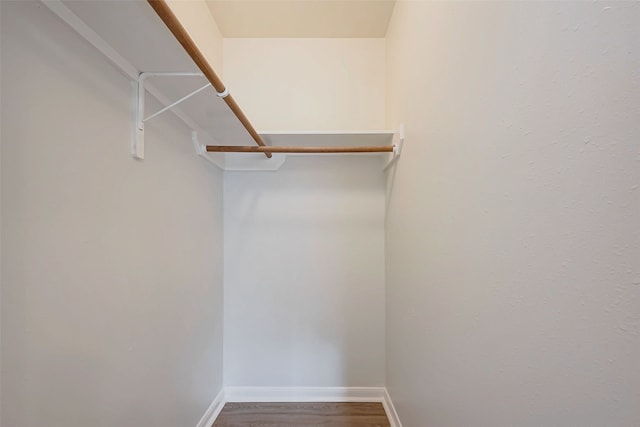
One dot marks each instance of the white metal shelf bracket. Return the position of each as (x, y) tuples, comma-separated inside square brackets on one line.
[(201, 150), (139, 88), (397, 149), (138, 139)]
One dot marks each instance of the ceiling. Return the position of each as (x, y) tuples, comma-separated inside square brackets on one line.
[(302, 18)]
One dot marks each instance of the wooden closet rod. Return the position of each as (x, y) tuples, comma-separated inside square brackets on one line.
[(174, 25), (276, 149)]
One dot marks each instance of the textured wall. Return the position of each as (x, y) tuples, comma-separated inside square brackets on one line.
[(513, 227), (111, 267)]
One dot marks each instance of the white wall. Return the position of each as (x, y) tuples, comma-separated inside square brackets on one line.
[(111, 268), (304, 274), (308, 84), (304, 247), (513, 228), (196, 18)]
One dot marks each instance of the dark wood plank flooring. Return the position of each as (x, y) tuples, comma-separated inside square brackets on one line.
[(302, 415)]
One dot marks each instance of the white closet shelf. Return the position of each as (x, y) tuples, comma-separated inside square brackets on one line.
[(328, 138), (350, 138), (133, 38)]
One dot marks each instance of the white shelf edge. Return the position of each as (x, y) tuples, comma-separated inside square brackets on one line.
[(248, 162), (330, 132)]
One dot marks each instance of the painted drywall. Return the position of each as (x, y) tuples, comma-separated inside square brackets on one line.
[(302, 19), (111, 267), (513, 226), (308, 84), (304, 274), (196, 18)]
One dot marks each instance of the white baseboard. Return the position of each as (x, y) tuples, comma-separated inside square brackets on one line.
[(304, 394), (213, 411), (300, 394), (394, 420)]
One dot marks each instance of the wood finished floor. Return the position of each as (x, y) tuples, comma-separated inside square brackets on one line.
[(302, 415)]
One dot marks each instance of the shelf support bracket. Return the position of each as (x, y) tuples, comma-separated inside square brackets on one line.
[(397, 149), (137, 145), (201, 150)]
